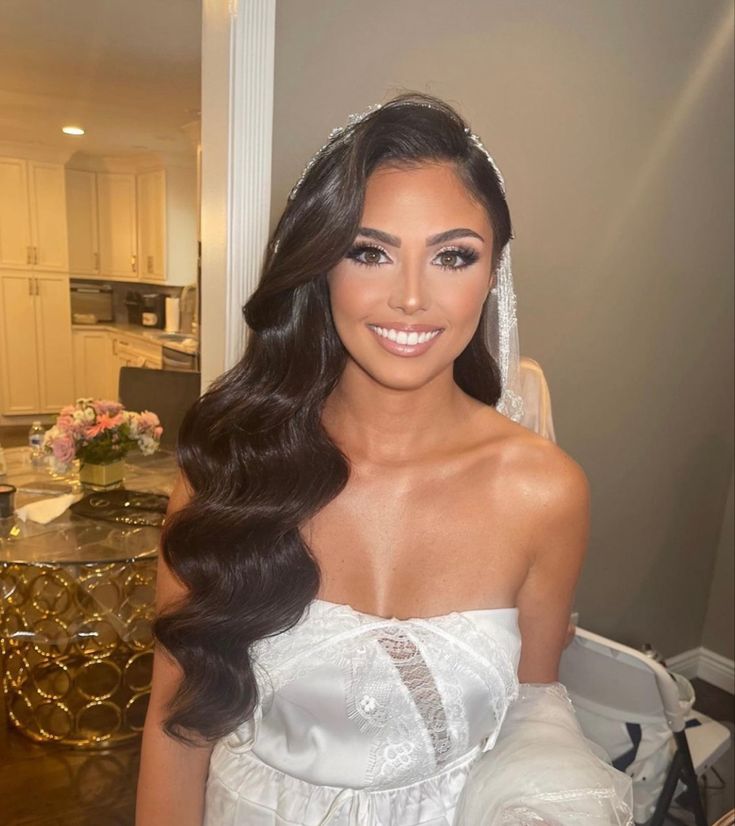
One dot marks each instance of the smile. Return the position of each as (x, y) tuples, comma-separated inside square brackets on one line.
[(405, 342)]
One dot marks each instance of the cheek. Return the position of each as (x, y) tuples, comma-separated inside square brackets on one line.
[(462, 300), (353, 297)]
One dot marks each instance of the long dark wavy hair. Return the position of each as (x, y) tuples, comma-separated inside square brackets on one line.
[(253, 448)]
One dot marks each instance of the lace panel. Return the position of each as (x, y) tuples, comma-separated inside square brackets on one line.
[(405, 683)]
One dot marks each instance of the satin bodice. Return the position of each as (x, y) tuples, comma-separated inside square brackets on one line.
[(352, 705)]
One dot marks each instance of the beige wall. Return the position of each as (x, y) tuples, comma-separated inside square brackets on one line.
[(719, 628), (613, 125)]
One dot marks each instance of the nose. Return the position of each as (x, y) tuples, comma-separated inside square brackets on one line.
[(410, 290)]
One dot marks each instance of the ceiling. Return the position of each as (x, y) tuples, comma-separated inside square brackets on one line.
[(127, 71)]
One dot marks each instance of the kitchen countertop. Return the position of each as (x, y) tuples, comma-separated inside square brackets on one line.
[(189, 345)]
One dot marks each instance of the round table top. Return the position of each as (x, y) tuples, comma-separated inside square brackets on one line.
[(70, 539)]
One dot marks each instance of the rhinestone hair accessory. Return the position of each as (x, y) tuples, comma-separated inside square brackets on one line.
[(501, 323)]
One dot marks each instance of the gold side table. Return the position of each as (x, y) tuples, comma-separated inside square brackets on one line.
[(76, 613)]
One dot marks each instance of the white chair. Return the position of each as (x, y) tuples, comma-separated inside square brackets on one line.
[(622, 696)]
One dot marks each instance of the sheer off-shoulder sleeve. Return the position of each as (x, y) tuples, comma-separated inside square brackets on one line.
[(543, 771)]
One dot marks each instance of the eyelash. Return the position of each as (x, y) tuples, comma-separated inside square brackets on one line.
[(468, 255)]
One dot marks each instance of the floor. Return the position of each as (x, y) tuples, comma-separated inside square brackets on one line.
[(49, 785)]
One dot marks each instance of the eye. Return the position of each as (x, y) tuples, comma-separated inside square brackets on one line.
[(369, 255), (456, 258)]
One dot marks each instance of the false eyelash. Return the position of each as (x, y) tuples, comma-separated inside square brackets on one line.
[(468, 254), (358, 249)]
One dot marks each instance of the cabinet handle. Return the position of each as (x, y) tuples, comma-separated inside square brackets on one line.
[(29, 256), (30, 286), (132, 263), (150, 263), (97, 261), (114, 346), (35, 255)]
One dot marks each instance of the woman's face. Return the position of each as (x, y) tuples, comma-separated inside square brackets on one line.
[(407, 297)]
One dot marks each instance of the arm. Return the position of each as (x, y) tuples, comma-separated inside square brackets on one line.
[(172, 776), (560, 501), (541, 769)]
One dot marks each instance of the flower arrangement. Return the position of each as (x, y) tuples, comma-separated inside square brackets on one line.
[(99, 432)]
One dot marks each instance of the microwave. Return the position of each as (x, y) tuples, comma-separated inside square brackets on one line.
[(91, 303)]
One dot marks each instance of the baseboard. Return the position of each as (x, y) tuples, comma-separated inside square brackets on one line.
[(707, 665)]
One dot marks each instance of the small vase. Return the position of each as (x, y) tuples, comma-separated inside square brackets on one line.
[(97, 476)]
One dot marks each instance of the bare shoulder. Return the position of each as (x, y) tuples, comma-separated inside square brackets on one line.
[(551, 498), (548, 489), (538, 467)]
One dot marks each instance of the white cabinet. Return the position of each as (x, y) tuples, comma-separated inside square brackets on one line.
[(152, 225), (131, 351), (138, 227), (36, 362), (33, 230), (100, 353), (47, 188), (81, 212), (15, 225), (117, 225), (95, 375)]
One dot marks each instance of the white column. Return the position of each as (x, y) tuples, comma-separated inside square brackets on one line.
[(238, 40)]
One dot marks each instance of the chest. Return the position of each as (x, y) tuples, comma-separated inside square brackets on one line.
[(421, 544)]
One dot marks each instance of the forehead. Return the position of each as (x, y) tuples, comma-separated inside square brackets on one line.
[(430, 194)]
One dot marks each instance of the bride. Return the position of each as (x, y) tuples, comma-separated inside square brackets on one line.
[(368, 564)]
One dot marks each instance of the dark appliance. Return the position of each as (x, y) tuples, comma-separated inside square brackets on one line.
[(153, 310), (134, 303)]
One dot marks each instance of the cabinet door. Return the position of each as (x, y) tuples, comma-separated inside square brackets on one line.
[(15, 218), (18, 351), (81, 216), (48, 216), (93, 369), (116, 202), (53, 341), (152, 225), (118, 359)]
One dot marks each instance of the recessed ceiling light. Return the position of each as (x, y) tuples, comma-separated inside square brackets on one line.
[(72, 130)]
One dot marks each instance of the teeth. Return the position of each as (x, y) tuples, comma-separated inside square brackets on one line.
[(402, 337)]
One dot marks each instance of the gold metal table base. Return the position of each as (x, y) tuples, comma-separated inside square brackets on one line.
[(77, 649)]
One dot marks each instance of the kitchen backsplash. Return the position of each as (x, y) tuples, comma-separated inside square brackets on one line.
[(120, 290)]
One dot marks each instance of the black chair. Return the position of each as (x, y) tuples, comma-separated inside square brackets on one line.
[(168, 393)]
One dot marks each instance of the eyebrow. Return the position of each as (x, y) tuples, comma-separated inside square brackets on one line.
[(439, 238)]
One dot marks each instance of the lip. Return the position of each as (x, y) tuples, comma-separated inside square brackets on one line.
[(406, 349)]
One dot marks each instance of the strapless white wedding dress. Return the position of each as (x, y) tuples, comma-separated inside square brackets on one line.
[(367, 721)]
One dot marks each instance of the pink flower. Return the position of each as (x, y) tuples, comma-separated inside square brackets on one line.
[(148, 421), (65, 423), (111, 408), (104, 422), (157, 431), (63, 448)]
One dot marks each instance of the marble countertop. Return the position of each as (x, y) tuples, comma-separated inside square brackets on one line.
[(70, 539), (185, 343)]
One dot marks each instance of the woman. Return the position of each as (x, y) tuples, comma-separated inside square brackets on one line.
[(364, 556)]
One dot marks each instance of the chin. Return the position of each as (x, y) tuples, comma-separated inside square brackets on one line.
[(410, 376)]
